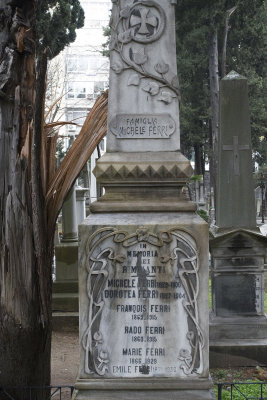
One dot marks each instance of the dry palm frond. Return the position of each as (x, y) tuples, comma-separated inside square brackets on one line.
[(52, 138), (92, 132), (50, 109), (59, 123)]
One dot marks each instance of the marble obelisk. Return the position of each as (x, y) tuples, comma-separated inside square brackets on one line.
[(143, 264)]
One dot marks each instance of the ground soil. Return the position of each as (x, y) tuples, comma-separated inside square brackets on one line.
[(64, 358), (65, 363)]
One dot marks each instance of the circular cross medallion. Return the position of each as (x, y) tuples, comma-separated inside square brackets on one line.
[(146, 21)]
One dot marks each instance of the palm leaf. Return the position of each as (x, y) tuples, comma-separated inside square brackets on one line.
[(91, 134)]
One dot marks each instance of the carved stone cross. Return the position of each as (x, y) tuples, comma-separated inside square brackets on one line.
[(143, 20), (235, 148)]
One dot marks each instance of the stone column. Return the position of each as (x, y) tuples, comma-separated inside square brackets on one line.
[(143, 272), (65, 287), (69, 218), (202, 201), (80, 203)]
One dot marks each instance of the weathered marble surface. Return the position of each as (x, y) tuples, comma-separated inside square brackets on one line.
[(143, 264), (144, 88), (143, 291)]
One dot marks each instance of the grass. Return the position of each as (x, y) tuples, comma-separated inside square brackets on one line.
[(252, 391)]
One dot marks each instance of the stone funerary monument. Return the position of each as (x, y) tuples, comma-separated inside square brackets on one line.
[(238, 324), (143, 257)]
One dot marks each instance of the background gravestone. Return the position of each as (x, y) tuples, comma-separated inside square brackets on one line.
[(143, 256), (235, 187), (238, 325)]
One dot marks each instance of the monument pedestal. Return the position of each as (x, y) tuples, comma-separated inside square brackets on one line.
[(238, 324), (144, 389), (237, 342), (143, 280)]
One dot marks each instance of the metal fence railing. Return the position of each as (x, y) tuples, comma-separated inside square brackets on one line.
[(36, 392), (242, 391), (224, 391)]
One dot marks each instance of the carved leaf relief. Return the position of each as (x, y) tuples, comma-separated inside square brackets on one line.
[(125, 12), (117, 67), (125, 37), (175, 82), (166, 97), (134, 80)]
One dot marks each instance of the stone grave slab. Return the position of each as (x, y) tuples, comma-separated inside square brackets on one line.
[(238, 324)]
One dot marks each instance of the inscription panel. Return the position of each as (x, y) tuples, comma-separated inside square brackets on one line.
[(142, 316), (239, 295), (142, 126)]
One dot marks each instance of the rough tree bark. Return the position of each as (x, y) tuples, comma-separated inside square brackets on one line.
[(214, 91), (25, 250), (30, 199)]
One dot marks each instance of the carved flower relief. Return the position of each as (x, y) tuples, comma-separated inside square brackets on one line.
[(152, 88), (103, 357), (103, 361), (162, 68), (138, 56), (185, 355), (98, 338)]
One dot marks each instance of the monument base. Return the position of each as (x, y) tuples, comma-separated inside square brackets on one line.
[(67, 261), (232, 355), (144, 389), (238, 324), (238, 342)]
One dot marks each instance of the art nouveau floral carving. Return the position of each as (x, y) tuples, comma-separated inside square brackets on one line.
[(101, 258), (142, 22)]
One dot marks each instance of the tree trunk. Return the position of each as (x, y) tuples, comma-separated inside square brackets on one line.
[(214, 91), (25, 250)]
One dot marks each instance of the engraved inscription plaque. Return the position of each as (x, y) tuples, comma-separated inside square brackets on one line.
[(142, 126), (142, 316)]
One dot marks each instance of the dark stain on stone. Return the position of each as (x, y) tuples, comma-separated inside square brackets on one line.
[(144, 369)]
